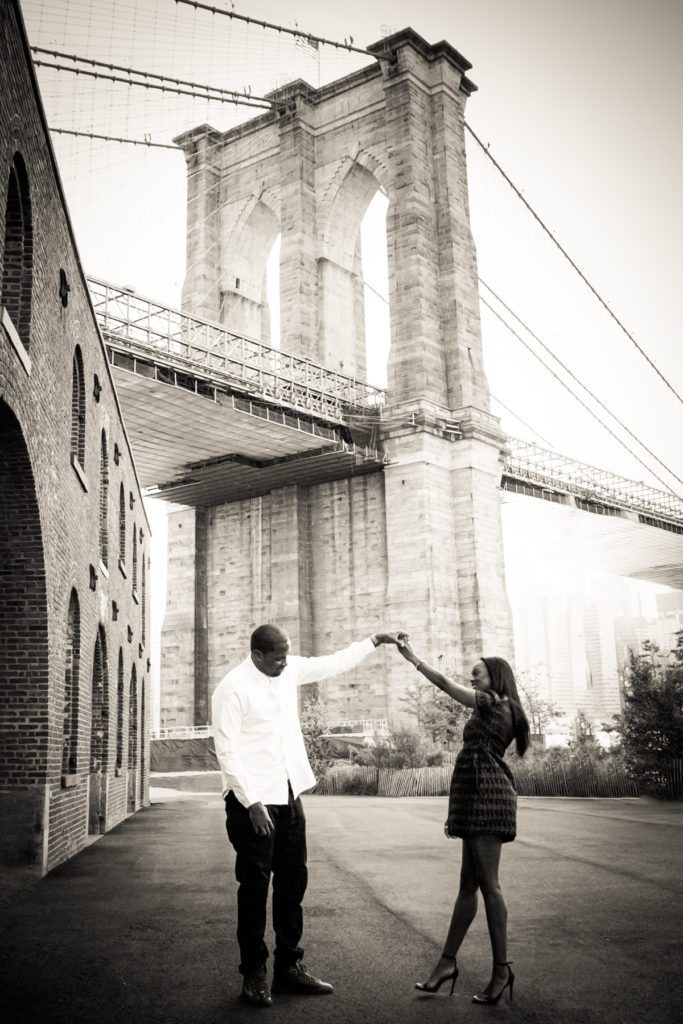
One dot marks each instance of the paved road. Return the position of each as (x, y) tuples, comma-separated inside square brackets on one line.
[(141, 924)]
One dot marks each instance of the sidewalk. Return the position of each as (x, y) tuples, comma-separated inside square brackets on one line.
[(140, 926)]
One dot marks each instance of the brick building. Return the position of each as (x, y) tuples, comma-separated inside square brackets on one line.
[(74, 538)]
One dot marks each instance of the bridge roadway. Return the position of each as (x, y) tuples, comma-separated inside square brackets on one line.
[(214, 417), (141, 925)]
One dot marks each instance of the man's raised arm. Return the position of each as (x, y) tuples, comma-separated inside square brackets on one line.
[(312, 670)]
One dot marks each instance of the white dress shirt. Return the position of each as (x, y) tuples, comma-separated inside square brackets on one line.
[(256, 726)]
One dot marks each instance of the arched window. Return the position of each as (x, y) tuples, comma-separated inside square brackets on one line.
[(142, 741), (143, 598), (104, 501), (71, 690), (78, 409), (133, 721), (27, 662), (119, 713), (17, 264), (122, 525), (99, 731), (135, 559)]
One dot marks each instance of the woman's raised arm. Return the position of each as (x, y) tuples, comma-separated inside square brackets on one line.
[(463, 694)]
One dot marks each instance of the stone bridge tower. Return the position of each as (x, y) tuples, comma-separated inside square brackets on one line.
[(418, 544)]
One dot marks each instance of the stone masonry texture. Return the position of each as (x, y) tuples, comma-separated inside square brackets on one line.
[(417, 544)]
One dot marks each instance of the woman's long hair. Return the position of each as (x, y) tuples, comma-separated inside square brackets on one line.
[(503, 683)]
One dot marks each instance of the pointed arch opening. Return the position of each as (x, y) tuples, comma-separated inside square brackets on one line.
[(78, 409), (133, 744), (17, 265), (143, 599), (353, 276), (375, 271), (135, 560), (120, 696), (72, 695), (104, 501), (251, 275), (141, 780), (122, 526), (24, 668), (99, 721), (99, 736)]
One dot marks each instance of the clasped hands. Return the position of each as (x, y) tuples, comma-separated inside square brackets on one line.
[(401, 640)]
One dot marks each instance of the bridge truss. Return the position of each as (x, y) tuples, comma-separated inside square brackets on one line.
[(529, 468), (313, 408), (138, 326)]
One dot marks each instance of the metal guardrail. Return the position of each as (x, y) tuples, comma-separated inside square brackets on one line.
[(359, 725), (181, 732), (538, 466), (140, 326)]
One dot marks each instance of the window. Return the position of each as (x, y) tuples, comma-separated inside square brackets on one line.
[(133, 721), (135, 560), (17, 264), (119, 713), (104, 502), (99, 724), (71, 692), (78, 410), (142, 595), (141, 780), (122, 526)]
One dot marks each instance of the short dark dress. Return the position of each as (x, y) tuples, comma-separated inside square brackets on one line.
[(482, 796)]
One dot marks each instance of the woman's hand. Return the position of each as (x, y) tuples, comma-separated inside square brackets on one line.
[(407, 651)]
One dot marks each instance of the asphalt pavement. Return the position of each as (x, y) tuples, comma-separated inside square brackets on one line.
[(140, 926)]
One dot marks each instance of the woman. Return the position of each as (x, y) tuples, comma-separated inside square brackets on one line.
[(482, 811)]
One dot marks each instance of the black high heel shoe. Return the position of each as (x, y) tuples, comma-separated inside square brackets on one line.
[(486, 999), (424, 986)]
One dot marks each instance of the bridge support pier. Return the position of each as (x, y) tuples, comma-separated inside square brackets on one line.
[(418, 544)]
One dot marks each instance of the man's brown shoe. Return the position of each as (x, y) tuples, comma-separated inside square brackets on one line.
[(255, 990), (297, 979)]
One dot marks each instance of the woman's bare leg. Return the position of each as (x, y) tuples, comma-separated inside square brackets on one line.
[(464, 912), (485, 850), (465, 908)]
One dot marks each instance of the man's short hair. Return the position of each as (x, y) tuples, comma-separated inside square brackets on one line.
[(267, 637)]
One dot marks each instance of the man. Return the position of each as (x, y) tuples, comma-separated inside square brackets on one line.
[(265, 767)]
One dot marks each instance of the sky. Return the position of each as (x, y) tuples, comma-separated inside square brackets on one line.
[(578, 100)]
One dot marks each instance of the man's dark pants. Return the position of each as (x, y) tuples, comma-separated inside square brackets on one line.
[(284, 855)]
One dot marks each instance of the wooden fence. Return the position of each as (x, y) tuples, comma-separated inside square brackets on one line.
[(582, 779)]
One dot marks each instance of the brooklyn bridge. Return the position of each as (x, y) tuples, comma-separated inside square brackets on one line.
[(300, 489)]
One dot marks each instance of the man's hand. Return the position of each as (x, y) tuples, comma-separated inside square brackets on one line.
[(260, 820), (390, 638)]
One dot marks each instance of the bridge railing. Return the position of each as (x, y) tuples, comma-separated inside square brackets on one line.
[(139, 325), (529, 462), (181, 732), (349, 726)]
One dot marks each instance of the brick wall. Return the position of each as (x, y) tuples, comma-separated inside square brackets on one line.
[(50, 538)]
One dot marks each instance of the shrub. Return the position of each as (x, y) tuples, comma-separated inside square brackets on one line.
[(651, 723)]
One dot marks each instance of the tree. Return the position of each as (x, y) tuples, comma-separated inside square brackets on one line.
[(403, 747), (539, 711), (439, 716), (651, 722), (584, 741), (313, 726)]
